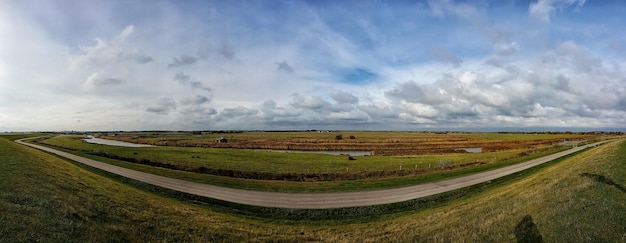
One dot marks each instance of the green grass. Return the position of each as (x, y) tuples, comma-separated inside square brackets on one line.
[(288, 186), (575, 199)]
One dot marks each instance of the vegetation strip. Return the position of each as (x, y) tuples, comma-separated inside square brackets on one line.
[(311, 201)]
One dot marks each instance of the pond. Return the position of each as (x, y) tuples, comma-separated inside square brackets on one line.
[(91, 139), (473, 150)]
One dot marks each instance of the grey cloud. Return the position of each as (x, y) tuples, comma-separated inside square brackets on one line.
[(143, 59), (237, 112), (379, 111), (182, 77), (158, 110), (197, 117), (409, 91), (226, 51), (199, 85), (184, 60), (163, 106), (271, 111), (185, 79), (562, 83), (195, 100), (268, 105), (577, 57), (284, 67), (344, 98), (95, 80), (446, 56), (198, 112), (309, 102), (223, 51), (107, 81)]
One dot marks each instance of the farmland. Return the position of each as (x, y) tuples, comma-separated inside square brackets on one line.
[(575, 199), (379, 143), (270, 171)]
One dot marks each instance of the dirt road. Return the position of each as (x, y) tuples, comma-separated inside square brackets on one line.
[(311, 200)]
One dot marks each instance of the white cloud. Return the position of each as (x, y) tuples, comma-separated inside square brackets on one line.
[(542, 9), (107, 53), (443, 8), (420, 110)]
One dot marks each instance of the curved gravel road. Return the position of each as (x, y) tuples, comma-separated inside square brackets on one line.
[(311, 200)]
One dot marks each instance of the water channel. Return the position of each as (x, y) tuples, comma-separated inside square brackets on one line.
[(91, 139)]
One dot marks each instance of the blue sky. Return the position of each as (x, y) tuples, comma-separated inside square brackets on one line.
[(371, 65)]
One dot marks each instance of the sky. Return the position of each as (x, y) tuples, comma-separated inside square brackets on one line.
[(89, 65)]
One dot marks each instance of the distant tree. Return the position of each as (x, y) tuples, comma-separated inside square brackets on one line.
[(352, 137), (339, 137)]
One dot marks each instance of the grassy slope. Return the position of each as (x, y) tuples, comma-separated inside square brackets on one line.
[(566, 205), (44, 198), (49, 199)]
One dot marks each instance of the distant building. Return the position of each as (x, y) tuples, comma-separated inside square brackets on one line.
[(221, 140)]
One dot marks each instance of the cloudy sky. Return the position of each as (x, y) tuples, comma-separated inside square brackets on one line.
[(271, 64)]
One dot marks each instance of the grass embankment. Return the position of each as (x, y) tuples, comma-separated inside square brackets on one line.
[(45, 198), (265, 161), (576, 199)]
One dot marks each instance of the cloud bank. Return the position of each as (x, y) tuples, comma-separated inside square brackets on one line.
[(463, 65)]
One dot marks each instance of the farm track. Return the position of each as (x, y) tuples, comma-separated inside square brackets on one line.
[(311, 200)]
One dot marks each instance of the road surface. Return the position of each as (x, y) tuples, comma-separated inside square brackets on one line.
[(311, 200)]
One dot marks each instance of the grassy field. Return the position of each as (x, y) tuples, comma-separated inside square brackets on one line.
[(580, 198), (415, 169), (190, 159)]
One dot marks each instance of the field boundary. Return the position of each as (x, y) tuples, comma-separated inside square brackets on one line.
[(311, 200)]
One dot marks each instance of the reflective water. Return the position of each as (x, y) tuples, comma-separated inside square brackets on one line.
[(91, 139), (473, 150)]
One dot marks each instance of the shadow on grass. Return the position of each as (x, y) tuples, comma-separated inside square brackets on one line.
[(603, 179), (526, 231)]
